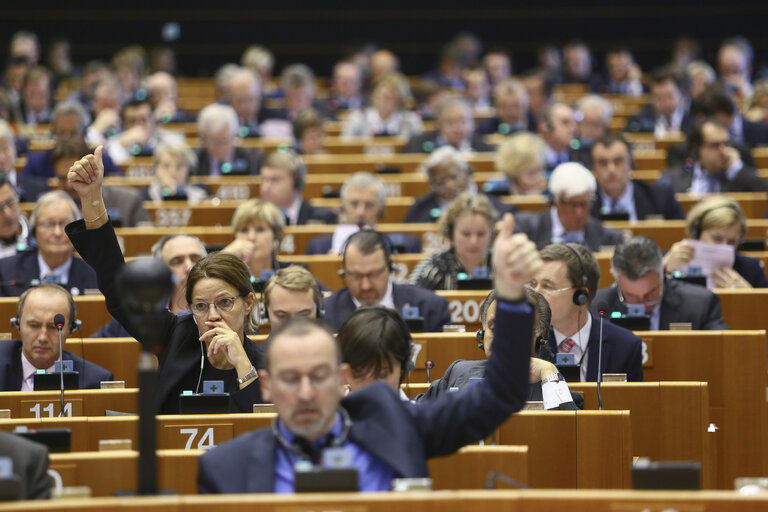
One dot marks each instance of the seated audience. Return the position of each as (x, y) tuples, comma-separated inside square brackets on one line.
[(539, 84), (623, 75), (346, 87), (668, 112), (218, 290), (558, 128), (292, 291), (700, 76), (52, 260), (220, 154), (283, 176), (498, 66), (714, 166), (303, 348), (38, 348), (27, 187), (468, 224), (568, 280), (36, 97), (388, 115), (363, 198), (105, 110), (717, 102), (14, 229), (367, 267), (718, 220), (162, 93), (139, 135), (309, 133), (449, 175), (573, 189), (734, 65), (243, 92), (477, 92), (522, 158), (756, 109), (639, 273), (261, 61), (455, 127), (29, 462), (172, 162), (619, 193), (297, 82), (544, 375), (512, 114), (577, 65), (594, 115)]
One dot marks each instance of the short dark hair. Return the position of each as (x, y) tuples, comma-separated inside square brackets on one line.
[(537, 300), (134, 103), (306, 119), (696, 138), (636, 257), (608, 140), (665, 74), (367, 241), (371, 336), (298, 326), (557, 252), (716, 100), (220, 265)]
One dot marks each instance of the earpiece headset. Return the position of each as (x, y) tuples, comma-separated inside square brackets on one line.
[(580, 296), (74, 323), (697, 222), (381, 240)]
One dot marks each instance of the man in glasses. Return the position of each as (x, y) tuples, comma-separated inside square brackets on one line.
[(638, 269), (367, 265), (568, 280)]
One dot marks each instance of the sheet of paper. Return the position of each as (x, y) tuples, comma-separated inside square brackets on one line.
[(340, 235), (709, 257)]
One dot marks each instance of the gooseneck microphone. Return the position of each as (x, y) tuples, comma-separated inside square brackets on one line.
[(600, 364), (429, 364), (58, 320)]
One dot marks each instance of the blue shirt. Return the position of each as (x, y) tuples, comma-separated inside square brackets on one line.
[(372, 473)]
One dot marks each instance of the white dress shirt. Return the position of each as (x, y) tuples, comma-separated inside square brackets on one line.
[(580, 344)]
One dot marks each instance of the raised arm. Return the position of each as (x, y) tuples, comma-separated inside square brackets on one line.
[(85, 177)]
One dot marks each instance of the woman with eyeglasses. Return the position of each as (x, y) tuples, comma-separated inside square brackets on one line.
[(209, 344)]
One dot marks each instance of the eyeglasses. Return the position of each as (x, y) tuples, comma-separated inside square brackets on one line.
[(546, 289), (356, 276), (652, 303), (50, 225), (318, 379), (223, 305)]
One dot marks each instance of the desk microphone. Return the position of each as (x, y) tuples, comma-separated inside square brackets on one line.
[(58, 320), (600, 364), (429, 364), (15, 282)]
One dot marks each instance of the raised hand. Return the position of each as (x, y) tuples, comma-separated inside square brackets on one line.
[(86, 175), (678, 256), (515, 260)]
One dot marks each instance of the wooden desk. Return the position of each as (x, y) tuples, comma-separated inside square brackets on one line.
[(118, 355), (90, 309), (81, 402)]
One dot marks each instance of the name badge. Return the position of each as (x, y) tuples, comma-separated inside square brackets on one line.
[(68, 366), (337, 457)]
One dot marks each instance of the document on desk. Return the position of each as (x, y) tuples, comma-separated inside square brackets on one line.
[(709, 257)]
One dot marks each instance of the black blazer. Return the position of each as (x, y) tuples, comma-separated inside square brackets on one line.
[(433, 308), (754, 133), (24, 268), (309, 214), (682, 302), (752, 270), (538, 227), (401, 434), (427, 142), (645, 121), (458, 374), (746, 180), (30, 464), (243, 162), (11, 374), (180, 356), (622, 351), (400, 244), (650, 199), (422, 207)]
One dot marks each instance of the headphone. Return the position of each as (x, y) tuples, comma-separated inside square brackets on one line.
[(698, 221), (381, 240), (580, 296), (74, 323)]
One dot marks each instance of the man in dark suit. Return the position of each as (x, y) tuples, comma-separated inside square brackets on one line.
[(618, 193), (460, 373), (512, 113), (282, 181), (53, 260), (715, 166), (716, 101), (363, 198), (218, 128), (367, 266), (30, 465), (455, 127), (668, 113), (386, 437), (558, 128), (638, 270), (568, 280), (36, 97), (573, 189), (38, 348)]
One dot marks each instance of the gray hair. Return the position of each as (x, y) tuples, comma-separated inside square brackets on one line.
[(297, 75), (157, 249), (636, 257), (176, 149), (69, 107), (52, 197), (440, 155), (594, 100), (215, 117), (571, 179), (512, 86), (451, 102), (363, 179)]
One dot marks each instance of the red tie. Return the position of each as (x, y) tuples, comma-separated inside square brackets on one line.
[(566, 346)]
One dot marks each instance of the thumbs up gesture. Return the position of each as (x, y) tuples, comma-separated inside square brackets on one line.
[(86, 175), (515, 260)]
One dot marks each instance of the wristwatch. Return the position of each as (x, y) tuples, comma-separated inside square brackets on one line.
[(555, 377), (248, 376)]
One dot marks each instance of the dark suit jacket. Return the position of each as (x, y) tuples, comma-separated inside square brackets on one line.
[(746, 180), (180, 355), (682, 302), (400, 244), (243, 162), (23, 267), (754, 133), (494, 125), (650, 199), (538, 227), (39, 165), (112, 329), (458, 374), (124, 205), (645, 121), (11, 375), (427, 142), (433, 308), (30, 464), (622, 351), (752, 270), (422, 207), (309, 214), (401, 434)]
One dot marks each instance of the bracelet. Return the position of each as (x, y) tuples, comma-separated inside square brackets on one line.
[(97, 218), (248, 376)]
